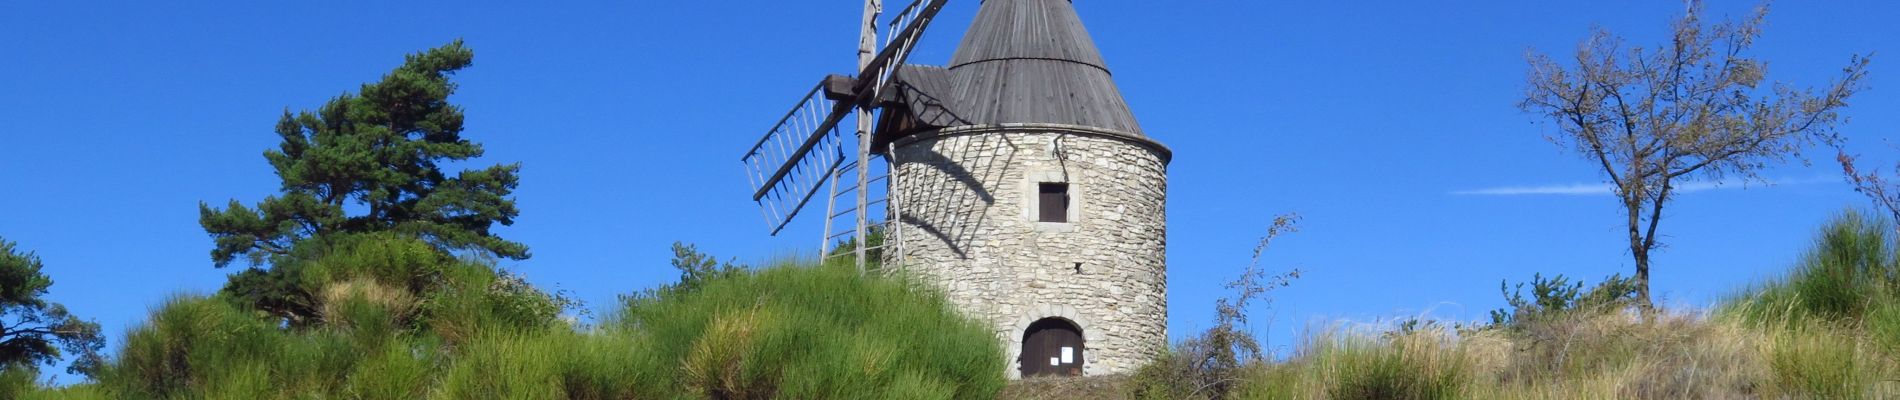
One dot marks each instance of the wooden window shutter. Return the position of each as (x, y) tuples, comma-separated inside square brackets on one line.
[(1053, 204)]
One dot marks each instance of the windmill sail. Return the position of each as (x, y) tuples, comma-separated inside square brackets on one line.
[(796, 157), (794, 160)]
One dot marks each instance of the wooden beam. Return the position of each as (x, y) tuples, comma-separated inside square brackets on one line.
[(838, 88)]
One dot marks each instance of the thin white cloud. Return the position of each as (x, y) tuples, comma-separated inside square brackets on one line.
[(1574, 189), (1604, 189)]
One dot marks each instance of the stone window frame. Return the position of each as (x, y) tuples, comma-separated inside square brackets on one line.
[(1031, 194)]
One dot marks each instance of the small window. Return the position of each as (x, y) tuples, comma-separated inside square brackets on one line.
[(1053, 202)]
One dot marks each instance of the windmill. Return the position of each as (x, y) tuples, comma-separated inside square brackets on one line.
[(805, 150), (1016, 180)]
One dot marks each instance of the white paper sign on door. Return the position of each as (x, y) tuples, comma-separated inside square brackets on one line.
[(1068, 355), (1054, 361)]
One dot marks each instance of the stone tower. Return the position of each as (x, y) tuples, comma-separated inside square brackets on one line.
[(1026, 190)]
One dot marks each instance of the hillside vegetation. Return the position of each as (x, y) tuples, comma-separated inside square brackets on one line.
[(1828, 329), (397, 320), (786, 331), (370, 274)]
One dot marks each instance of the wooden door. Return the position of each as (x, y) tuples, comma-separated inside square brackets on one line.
[(1052, 347)]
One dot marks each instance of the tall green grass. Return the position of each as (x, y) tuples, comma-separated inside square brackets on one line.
[(1835, 317), (1828, 329), (1849, 275), (823, 332), (557, 365), (1342, 365), (471, 332), (441, 328)]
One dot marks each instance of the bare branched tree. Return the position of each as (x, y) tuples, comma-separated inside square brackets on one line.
[(1884, 192), (1210, 364), (1230, 346), (1693, 108)]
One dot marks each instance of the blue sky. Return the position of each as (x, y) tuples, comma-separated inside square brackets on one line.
[(1389, 125)]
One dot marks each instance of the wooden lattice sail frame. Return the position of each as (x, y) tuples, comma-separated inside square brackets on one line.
[(804, 150)]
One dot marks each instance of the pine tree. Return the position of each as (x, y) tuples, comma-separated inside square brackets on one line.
[(379, 151), (366, 163), (33, 331)]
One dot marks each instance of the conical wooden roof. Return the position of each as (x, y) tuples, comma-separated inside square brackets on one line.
[(1007, 30), (1022, 61)]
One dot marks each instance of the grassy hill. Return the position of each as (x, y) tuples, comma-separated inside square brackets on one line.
[(785, 331), (397, 324), (1829, 329)]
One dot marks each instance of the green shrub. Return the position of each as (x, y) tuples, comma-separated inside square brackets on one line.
[(1849, 273), (611, 365), (1173, 374), (698, 267), (398, 371), (206, 347), (475, 298), (387, 258), (816, 332), (189, 343), (509, 365), (789, 332), (1278, 381), (201, 347), (17, 380), (1818, 365), (1558, 297), (558, 364), (74, 392), (1834, 319), (1883, 326), (475, 332), (369, 312), (1212, 363), (1393, 370), (846, 250), (294, 288), (1334, 365)]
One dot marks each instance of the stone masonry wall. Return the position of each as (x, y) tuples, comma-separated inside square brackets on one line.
[(967, 201)]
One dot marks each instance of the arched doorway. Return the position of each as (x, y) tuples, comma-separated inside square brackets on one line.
[(1052, 347)]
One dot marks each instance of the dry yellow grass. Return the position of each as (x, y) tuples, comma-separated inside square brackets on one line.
[(1616, 356), (336, 299)]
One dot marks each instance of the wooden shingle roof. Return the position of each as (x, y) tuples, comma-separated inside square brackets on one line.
[(1027, 29), (1022, 61)]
